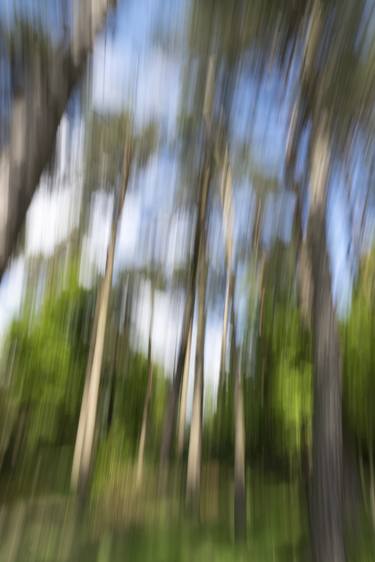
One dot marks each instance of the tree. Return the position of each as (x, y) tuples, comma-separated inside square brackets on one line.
[(183, 398), (196, 426), (205, 173), (145, 415), (46, 353), (358, 335), (239, 436), (105, 151), (50, 75), (86, 427), (330, 115)]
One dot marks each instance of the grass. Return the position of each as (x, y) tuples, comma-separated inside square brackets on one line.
[(119, 526)]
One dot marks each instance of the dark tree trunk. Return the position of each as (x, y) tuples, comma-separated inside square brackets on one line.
[(112, 389), (172, 405), (326, 497), (183, 398), (146, 407)]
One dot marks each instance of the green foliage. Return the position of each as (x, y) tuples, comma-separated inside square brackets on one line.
[(131, 391), (223, 423), (277, 392), (107, 135), (292, 402), (49, 354), (120, 445), (289, 386), (359, 359)]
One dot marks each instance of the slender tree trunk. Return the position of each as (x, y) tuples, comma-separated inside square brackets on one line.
[(204, 182), (35, 117), (327, 479), (195, 442), (86, 428), (227, 206), (223, 354), (235, 364), (83, 412), (183, 399), (300, 113), (239, 440), (362, 478), (171, 412), (146, 407), (112, 389)]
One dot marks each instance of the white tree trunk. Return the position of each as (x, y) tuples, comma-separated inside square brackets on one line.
[(86, 428), (195, 441)]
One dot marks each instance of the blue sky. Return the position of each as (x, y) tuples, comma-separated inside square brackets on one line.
[(130, 66)]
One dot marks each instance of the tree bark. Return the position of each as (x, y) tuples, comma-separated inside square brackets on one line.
[(226, 196), (112, 386), (86, 428), (224, 337), (183, 399), (171, 412), (204, 183), (327, 478), (146, 407), (239, 439), (195, 442), (35, 115), (235, 365)]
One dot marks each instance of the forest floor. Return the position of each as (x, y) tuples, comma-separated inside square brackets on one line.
[(122, 524)]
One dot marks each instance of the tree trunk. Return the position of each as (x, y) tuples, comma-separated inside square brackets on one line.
[(112, 388), (171, 412), (86, 428), (183, 399), (226, 196), (327, 501), (235, 364), (34, 120), (299, 117), (83, 412), (223, 353), (204, 182), (195, 442), (239, 440), (146, 407)]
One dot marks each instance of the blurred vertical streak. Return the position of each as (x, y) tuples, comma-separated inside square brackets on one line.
[(171, 412), (86, 427), (327, 480), (146, 406), (226, 195), (204, 184), (239, 436), (195, 442), (183, 398), (36, 110)]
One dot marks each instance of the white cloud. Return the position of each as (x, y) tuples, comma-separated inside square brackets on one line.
[(50, 219), (54, 210), (166, 330), (11, 293), (150, 76)]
